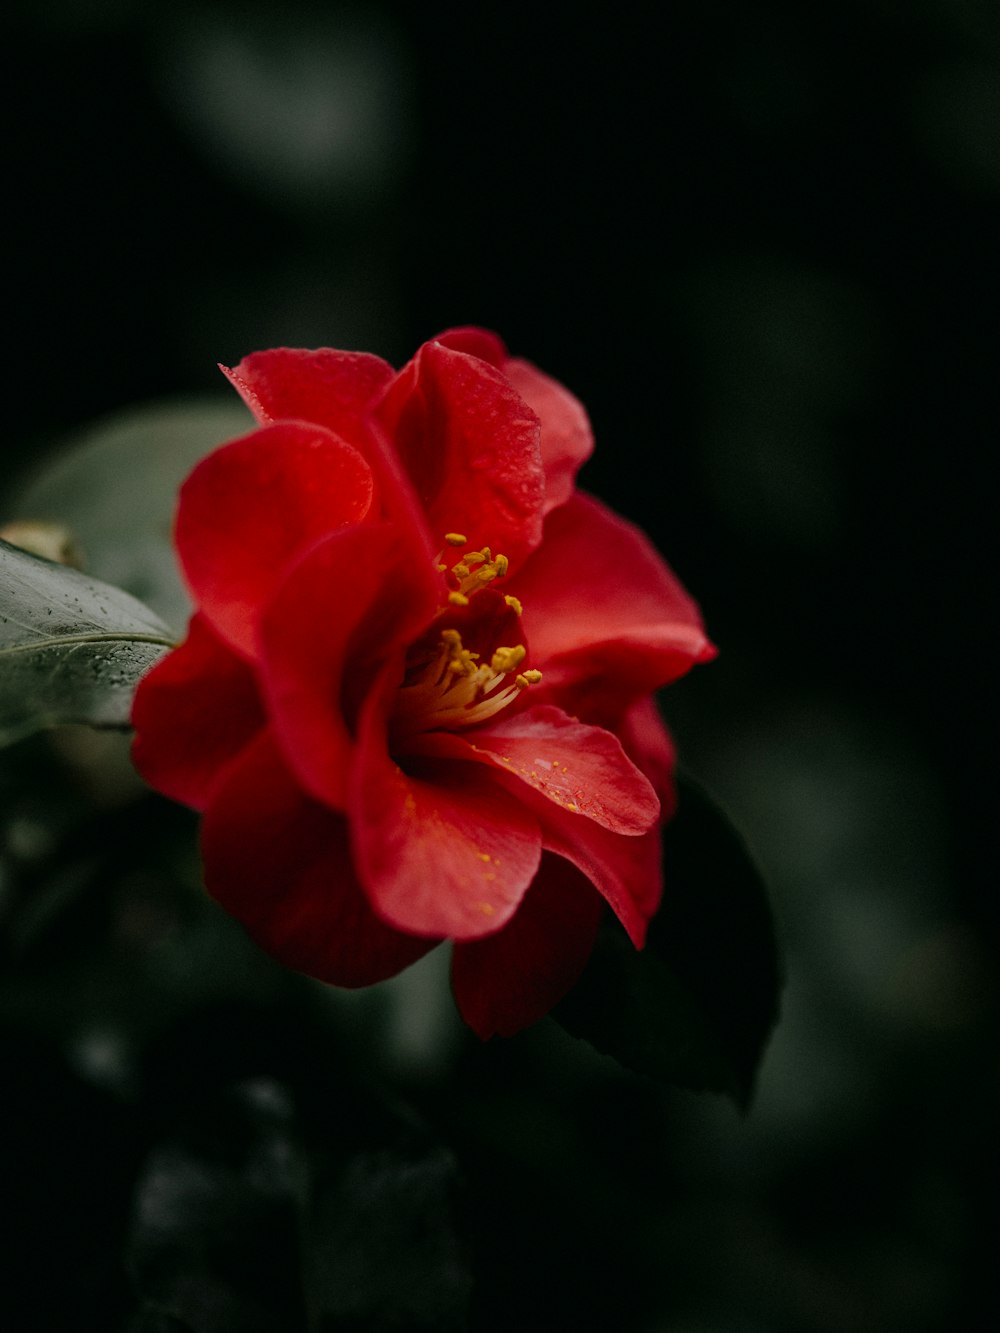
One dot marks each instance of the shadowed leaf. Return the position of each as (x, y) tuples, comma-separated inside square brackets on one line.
[(696, 1005)]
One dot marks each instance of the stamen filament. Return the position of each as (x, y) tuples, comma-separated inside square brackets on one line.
[(453, 688)]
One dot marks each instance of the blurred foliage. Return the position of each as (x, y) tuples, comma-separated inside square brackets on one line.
[(758, 240), (114, 486)]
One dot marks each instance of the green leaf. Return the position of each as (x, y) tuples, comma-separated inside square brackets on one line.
[(72, 649), (694, 1007), (115, 487)]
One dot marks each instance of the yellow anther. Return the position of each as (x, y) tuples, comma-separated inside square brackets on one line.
[(514, 605), (478, 568), (531, 677), (508, 659), (455, 538), (458, 599), (452, 638)]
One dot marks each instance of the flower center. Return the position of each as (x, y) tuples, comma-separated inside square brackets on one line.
[(448, 686)]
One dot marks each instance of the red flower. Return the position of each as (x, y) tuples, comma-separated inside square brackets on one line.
[(396, 735)]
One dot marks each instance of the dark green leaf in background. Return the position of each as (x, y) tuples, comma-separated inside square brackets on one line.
[(114, 487), (72, 649), (695, 1006)]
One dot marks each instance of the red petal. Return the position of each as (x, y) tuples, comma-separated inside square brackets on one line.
[(327, 387), (441, 849), (337, 390), (566, 439), (247, 510), (511, 979), (347, 606), (469, 444), (193, 713), (627, 871), (648, 743), (582, 769), (475, 342), (281, 865), (602, 611)]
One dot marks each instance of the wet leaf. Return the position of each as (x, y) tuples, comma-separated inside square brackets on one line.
[(72, 649)]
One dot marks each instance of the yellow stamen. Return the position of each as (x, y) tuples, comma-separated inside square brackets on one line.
[(507, 659), (446, 686), (452, 688), (527, 678), (478, 568)]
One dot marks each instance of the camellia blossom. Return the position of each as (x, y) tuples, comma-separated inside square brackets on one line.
[(415, 700)]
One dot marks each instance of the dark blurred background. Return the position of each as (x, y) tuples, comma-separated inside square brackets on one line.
[(759, 241)]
